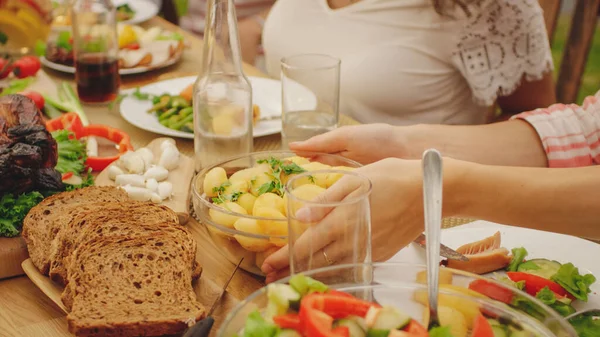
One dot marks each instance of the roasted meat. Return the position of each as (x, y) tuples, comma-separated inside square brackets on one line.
[(28, 153)]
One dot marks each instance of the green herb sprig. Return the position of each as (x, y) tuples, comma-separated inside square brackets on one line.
[(279, 167)]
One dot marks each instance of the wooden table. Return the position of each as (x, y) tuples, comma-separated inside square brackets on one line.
[(25, 311)]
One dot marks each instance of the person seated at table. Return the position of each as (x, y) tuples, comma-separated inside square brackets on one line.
[(418, 61), (250, 14), (528, 172)]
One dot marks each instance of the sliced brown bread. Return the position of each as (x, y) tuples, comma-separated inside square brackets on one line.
[(44, 220), (109, 215), (129, 229), (127, 286)]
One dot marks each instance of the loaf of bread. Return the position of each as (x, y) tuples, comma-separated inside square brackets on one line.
[(132, 286), (109, 215), (43, 221), (128, 266)]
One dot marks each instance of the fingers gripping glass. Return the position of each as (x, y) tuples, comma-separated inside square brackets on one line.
[(328, 226)]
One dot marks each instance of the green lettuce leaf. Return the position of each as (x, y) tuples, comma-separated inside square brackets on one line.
[(256, 326), (548, 297), (586, 326), (577, 285), (14, 209), (71, 153), (519, 255)]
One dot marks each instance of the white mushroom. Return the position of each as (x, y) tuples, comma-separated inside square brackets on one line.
[(166, 143), (147, 156), (169, 158), (157, 172), (114, 171), (130, 179), (165, 189), (132, 162), (155, 198), (91, 145), (138, 193), (152, 185)]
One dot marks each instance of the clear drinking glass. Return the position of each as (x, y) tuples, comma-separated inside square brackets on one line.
[(327, 227), (222, 93), (310, 96), (96, 49)]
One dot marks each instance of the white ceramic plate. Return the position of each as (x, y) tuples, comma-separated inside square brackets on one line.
[(562, 248), (144, 9), (266, 93), (124, 71)]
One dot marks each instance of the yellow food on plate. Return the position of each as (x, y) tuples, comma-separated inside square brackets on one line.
[(247, 201), (223, 218), (469, 308), (270, 200), (127, 36)]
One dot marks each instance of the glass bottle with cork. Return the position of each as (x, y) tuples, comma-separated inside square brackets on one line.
[(222, 93), (96, 48)]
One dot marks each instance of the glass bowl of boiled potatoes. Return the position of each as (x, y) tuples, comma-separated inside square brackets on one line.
[(242, 201)]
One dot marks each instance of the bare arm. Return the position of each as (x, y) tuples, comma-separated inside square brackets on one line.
[(512, 143), (251, 35), (559, 200)]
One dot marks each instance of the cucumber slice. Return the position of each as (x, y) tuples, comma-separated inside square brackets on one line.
[(499, 331), (289, 333), (356, 326), (541, 267), (282, 296), (386, 318), (378, 333)]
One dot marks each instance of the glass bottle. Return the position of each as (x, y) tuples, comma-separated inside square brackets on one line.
[(96, 48), (222, 93)]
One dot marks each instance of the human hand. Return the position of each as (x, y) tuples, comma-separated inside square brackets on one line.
[(396, 217), (365, 144)]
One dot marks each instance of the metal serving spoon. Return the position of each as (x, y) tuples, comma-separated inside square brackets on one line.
[(432, 200), (588, 312)]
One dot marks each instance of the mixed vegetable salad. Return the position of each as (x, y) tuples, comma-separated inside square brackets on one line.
[(306, 307)]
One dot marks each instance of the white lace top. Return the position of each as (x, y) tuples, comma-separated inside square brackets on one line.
[(402, 63)]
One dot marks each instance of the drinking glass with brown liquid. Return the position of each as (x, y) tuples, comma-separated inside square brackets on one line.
[(96, 50)]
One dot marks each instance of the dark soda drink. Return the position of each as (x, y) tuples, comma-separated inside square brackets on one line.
[(97, 78)]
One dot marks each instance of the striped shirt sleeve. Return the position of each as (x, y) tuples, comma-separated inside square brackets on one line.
[(570, 133)]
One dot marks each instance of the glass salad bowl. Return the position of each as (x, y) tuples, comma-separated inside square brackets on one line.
[(400, 288), (226, 197)]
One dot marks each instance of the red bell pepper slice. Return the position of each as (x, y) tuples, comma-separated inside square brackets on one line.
[(534, 283), (71, 121), (481, 327), (316, 323), (492, 291), (289, 321), (336, 306), (342, 331), (415, 329), (339, 293)]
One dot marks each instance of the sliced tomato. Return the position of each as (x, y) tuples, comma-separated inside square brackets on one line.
[(336, 306), (288, 321), (534, 283), (316, 323), (342, 331), (36, 97), (415, 329), (481, 327), (339, 293), (492, 291)]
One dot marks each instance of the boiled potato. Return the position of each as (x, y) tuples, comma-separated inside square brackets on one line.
[(249, 243), (272, 227), (223, 124), (213, 180), (297, 160), (449, 317), (258, 181), (247, 201), (333, 177), (262, 256), (237, 186), (249, 173), (224, 219), (271, 200), (304, 192), (317, 179)]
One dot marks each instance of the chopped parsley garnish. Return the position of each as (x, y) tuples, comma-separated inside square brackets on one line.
[(279, 167)]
